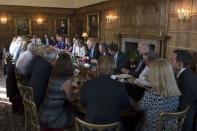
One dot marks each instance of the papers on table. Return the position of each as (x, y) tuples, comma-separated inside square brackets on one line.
[(121, 77)]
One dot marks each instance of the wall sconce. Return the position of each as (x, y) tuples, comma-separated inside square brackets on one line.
[(3, 20), (39, 21), (183, 14), (111, 18)]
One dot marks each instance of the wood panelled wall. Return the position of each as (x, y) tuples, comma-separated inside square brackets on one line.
[(48, 14), (148, 19), (136, 18), (107, 30), (183, 34)]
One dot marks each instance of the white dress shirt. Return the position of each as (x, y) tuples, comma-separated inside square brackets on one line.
[(79, 51), (36, 41), (14, 46), (115, 59), (143, 77), (179, 73)]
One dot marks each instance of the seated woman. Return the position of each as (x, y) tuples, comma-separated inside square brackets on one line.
[(163, 97), (79, 48), (68, 45), (142, 79), (103, 96), (52, 111)]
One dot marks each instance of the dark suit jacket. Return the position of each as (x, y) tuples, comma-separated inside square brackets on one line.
[(138, 69), (39, 80), (96, 54), (30, 68), (121, 62), (187, 83), (103, 98), (44, 41), (11, 83), (105, 54)]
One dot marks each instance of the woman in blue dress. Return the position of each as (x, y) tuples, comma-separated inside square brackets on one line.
[(52, 112)]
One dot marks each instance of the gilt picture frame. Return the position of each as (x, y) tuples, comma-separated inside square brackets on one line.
[(62, 26), (93, 25), (23, 26)]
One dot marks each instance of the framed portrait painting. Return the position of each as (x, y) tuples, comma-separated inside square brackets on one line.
[(93, 25), (23, 26), (62, 26)]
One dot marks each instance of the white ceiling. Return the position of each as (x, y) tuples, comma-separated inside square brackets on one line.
[(51, 3)]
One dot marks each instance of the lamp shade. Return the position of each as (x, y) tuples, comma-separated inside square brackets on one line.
[(84, 34)]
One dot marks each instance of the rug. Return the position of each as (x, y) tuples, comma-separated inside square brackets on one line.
[(8, 120)]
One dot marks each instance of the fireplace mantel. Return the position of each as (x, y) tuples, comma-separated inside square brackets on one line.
[(160, 41)]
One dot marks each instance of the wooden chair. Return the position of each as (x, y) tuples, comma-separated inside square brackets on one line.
[(27, 92), (82, 126), (179, 116), (32, 121)]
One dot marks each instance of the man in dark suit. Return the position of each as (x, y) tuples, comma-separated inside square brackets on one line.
[(119, 57), (103, 49), (46, 40), (41, 73), (93, 52), (143, 47), (103, 95), (187, 82)]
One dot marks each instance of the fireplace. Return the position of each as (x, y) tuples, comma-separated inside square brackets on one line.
[(131, 44)]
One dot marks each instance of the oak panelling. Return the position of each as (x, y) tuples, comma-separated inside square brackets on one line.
[(183, 34), (193, 41), (174, 5), (173, 26), (107, 30), (48, 15), (173, 39), (183, 40), (194, 23), (194, 5), (184, 26)]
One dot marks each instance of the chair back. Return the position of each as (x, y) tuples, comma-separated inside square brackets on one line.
[(32, 114), (179, 116), (82, 126), (26, 90)]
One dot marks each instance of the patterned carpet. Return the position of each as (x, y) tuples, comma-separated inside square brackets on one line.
[(8, 120)]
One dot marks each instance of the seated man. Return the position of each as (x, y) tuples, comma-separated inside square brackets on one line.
[(143, 77), (60, 44), (103, 49), (119, 57), (41, 73), (143, 47), (93, 52), (136, 89), (187, 83), (35, 40), (103, 95), (46, 40), (25, 58)]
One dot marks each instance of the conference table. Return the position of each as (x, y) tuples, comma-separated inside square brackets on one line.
[(81, 75)]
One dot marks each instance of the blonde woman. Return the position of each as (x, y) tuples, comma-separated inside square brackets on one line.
[(163, 97), (79, 49), (103, 95)]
